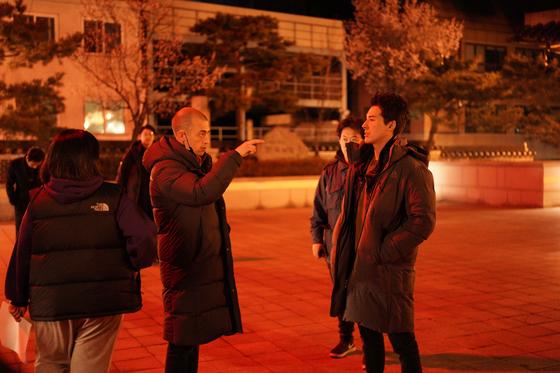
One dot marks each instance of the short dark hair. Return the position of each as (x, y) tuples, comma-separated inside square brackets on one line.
[(72, 155), (35, 154), (147, 127), (393, 107), (350, 122)]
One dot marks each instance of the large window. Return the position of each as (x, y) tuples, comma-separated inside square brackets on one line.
[(492, 57), (46, 25), (529, 53), (103, 117), (101, 37)]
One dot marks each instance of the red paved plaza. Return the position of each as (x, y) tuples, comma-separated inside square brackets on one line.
[(487, 298)]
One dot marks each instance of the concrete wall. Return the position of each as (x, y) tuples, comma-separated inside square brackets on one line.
[(516, 184), (519, 184), (271, 192)]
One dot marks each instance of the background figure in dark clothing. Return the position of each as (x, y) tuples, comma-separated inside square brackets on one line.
[(326, 209), (132, 176), (23, 175)]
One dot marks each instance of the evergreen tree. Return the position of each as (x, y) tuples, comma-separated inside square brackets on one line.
[(29, 108), (258, 65)]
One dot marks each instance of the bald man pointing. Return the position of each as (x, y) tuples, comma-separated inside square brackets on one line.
[(199, 294)]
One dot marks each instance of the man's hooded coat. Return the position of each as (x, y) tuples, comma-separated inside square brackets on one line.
[(374, 269)]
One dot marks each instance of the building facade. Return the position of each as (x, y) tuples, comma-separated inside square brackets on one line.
[(91, 106)]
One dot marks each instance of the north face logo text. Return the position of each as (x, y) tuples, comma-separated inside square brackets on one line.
[(100, 207)]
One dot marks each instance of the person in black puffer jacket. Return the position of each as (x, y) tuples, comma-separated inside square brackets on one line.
[(77, 259)]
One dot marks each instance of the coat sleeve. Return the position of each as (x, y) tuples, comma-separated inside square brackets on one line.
[(11, 179), (189, 188), (419, 223), (17, 277), (140, 233), (320, 217), (124, 170)]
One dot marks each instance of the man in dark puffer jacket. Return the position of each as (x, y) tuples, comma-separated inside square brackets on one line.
[(199, 294), (389, 209)]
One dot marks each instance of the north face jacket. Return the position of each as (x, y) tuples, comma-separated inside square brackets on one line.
[(80, 248)]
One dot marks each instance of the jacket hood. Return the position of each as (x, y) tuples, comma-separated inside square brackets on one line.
[(70, 191), (339, 156), (168, 148), (363, 152), (402, 148)]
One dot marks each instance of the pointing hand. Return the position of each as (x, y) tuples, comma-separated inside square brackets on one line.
[(248, 147)]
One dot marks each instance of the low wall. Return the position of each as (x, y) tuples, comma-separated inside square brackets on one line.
[(516, 184), (247, 193)]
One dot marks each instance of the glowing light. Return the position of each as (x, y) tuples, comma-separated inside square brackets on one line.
[(86, 124)]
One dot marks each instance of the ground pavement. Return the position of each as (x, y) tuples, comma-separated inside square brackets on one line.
[(487, 298)]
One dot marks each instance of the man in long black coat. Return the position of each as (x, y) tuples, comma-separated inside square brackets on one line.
[(199, 293)]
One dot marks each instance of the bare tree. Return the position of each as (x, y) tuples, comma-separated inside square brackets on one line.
[(132, 52)]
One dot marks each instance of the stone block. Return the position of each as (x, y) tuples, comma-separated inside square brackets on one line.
[(488, 176), (528, 177), (470, 175), (495, 196), (531, 198)]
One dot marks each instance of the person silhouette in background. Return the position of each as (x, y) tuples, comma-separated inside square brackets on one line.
[(23, 175), (132, 175)]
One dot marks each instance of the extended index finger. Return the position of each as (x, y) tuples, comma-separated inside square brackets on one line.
[(255, 141)]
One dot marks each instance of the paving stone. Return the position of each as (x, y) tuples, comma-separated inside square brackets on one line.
[(485, 300)]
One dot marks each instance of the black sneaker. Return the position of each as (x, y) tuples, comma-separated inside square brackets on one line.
[(342, 349)]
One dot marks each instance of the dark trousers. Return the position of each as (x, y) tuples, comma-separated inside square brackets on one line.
[(404, 344), (181, 359), (346, 328)]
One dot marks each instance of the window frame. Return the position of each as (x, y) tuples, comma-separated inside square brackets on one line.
[(51, 28), (482, 50), (97, 41)]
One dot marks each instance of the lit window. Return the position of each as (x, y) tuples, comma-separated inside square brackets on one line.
[(101, 37), (104, 117)]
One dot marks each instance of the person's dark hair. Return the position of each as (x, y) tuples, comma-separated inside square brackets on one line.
[(350, 122), (35, 154), (149, 127), (72, 155), (393, 107)]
